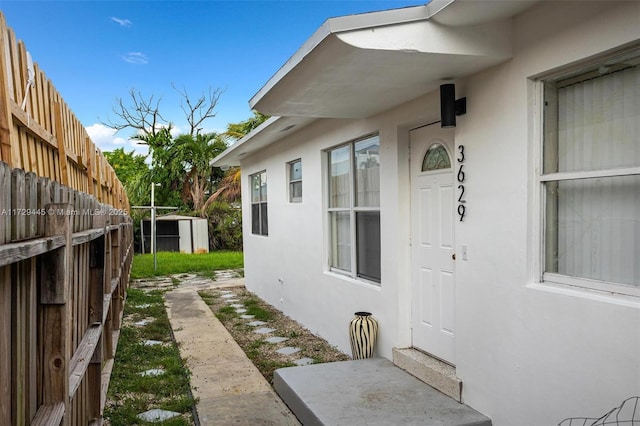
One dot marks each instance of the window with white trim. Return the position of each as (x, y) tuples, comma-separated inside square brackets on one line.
[(259, 222), (354, 209), (591, 176), (295, 181)]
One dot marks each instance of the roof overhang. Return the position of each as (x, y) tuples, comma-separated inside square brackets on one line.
[(270, 131), (360, 65)]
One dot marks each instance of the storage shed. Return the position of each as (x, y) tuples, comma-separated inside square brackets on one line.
[(185, 234)]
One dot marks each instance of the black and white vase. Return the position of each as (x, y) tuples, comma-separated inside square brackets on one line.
[(363, 331)]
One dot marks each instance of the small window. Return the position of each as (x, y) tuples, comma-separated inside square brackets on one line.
[(295, 181), (436, 158), (259, 222)]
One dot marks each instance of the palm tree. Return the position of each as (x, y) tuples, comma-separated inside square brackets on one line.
[(229, 189), (194, 154)]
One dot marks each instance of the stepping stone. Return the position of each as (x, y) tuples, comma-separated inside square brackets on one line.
[(232, 300), (247, 316), (228, 295), (142, 323), (143, 306), (153, 372), (276, 339), (288, 350), (264, 330), (225, 292), (241, 310), (152, 342), (256, 323), (237, 305), (303, 361), (157, 415)]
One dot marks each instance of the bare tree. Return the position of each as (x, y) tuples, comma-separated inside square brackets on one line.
[(198, 110), (143, 115)]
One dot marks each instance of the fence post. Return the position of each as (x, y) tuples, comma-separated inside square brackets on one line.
[(55, 277), (116, 272), (96, 314)]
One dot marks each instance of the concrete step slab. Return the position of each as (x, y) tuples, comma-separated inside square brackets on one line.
[(430, 370), (368, 392)]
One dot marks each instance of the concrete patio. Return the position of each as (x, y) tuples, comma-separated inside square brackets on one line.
[(232, 391)]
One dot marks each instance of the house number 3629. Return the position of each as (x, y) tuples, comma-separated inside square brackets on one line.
[(462, 209)]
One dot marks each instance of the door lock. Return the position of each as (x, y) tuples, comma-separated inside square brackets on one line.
[(453, 256)]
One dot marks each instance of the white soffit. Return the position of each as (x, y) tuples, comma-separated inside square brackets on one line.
[(360, 65)]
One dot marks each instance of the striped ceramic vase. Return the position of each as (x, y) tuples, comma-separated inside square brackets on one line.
[(363, 331)]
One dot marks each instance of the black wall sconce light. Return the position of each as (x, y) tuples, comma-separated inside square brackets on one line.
[(449, 106)]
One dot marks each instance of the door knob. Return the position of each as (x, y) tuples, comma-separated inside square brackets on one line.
[(453, 256)]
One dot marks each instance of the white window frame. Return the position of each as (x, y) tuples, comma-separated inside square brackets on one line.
[(292, 181), (552, 278), (353, 210), (260, 202)]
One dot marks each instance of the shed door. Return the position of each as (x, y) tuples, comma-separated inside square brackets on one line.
[(432, 242)]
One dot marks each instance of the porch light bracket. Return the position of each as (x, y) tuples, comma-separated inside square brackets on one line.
[(449, 106)]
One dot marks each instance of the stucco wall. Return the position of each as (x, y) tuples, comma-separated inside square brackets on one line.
[(528, 353)]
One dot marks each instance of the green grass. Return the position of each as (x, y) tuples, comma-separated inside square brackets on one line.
[(254, 308), (169, 263), (132, 393)]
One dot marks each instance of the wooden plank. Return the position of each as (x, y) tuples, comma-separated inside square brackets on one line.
[(49, 414), (5, 294), (56, 263), (84, 237), (6, 124), (31, 337), (82, 357), (90, 153), (5, 345), (94, 376), (5, 203), (16, 252), (55, 330), (18, 207), (31, 198), (34, 127), (60, 135), (19, 355)]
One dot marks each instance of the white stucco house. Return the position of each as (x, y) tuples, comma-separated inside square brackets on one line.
[(506, 244)]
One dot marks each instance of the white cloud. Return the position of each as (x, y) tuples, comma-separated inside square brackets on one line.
[(135, 58), (121, 21), (106, 139)]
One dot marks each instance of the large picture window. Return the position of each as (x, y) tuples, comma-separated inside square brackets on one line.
[(591, 176), (354, 208), (259, 222)]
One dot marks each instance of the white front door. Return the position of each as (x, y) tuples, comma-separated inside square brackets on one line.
[(432, 241)]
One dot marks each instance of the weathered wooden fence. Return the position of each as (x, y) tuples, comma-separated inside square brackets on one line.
[(65, 254)]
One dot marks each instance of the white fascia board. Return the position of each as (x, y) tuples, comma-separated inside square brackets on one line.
[(272, 130), (229, 156)]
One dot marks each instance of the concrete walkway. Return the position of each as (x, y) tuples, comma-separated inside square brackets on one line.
[(229, 387)]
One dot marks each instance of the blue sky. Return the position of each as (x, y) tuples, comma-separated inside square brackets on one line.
[(95, 51)]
